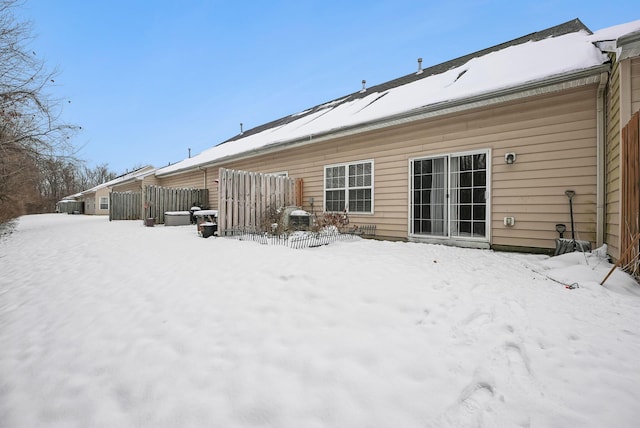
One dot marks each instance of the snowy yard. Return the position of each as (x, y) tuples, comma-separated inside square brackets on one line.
[(119, 325)]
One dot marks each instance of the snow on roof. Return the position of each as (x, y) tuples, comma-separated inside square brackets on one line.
[(138, 173), (510, 67), (615, 32)]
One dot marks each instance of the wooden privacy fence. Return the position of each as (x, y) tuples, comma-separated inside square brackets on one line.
[(125, 206), (158, 200), (630, 204), (244, 198)]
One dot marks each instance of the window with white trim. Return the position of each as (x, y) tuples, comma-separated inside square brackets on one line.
[(349, 186), (104, 202), (449, 195)]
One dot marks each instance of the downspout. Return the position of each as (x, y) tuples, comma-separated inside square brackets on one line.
[(204, 182), (204, 176), (600, 159)]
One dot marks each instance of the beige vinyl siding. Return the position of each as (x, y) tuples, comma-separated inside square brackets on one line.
[(132, 186), (101, 193), (90, 202), (194, 179), (612, 161), (554, 137), (135, 185), (635, 85), (555, 143), (150, 180), (613, 228), (187, 180)]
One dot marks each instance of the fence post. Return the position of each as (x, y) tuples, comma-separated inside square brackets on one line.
[(222, 211)]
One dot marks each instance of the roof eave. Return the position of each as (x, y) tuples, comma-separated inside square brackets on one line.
[(629, 45), (550, 84), (140, 177)]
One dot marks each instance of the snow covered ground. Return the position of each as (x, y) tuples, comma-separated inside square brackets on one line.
[(119, 325)]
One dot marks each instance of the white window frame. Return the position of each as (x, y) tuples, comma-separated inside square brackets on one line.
[(100, 202), (346, 187), (481, 242)]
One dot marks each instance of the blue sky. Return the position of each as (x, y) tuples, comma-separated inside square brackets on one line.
[(148, 80)]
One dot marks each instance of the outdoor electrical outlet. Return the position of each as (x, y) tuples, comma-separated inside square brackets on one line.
[(509, 221)]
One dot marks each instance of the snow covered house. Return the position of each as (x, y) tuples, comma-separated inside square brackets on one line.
[(477, 151), (96, 200), (135, 180)]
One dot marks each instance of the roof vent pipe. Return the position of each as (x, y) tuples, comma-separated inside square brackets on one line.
[(364, 86), (241, 131), (419, 66), (189, 152)]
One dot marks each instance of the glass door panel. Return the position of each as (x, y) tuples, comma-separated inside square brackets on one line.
[(468, 195), (429, 196)]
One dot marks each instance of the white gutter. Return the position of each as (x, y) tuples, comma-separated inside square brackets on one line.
[(548, 85), (600, 159)]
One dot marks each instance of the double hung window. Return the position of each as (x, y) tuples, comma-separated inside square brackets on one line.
[(104, 202), (349, 187)]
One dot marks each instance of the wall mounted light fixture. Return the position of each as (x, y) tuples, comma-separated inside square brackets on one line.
[(510, 158)]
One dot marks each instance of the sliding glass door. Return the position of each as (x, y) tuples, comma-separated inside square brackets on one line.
[(449, 196)]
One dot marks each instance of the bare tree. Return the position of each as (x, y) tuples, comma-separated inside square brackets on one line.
[(98, 175), (32, 137)]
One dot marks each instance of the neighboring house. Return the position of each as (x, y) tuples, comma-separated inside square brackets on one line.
[(96, 199), (136, 182), (477, 151), (70, 205)]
